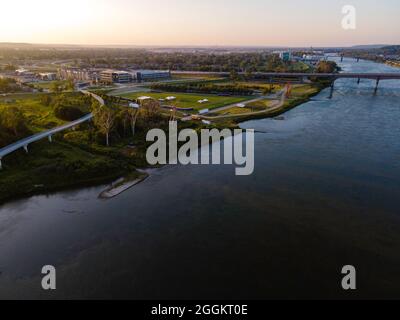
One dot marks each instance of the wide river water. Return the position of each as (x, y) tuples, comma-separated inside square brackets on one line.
[(325, 193)]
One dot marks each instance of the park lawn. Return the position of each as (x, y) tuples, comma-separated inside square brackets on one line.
[(233, 111), (177, 76), (300, 67), (260, 104), (46, 85), (253, 85), (187, 100), (304, 90), (251, 107), (40, 117)]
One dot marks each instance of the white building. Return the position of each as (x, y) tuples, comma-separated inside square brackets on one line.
[(78, 74), (48, 76)]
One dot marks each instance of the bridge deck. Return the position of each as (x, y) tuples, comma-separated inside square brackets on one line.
[(381, 76), (39, 136)]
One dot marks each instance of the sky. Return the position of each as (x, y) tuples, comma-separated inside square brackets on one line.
[(198, 22)]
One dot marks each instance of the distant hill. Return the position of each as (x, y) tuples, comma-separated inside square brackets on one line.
[(390, 50), (13, 45), (370, 46)]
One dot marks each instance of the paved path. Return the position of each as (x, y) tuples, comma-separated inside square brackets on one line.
[(245, 102), (23, 144), (277, 104)]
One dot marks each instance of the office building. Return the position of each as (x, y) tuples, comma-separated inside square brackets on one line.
[(115, 76)]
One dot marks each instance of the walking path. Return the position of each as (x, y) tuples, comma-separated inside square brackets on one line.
[(23, 143)]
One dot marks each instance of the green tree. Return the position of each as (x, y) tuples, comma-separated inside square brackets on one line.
[(248, 74), (56, 87), (150, 109), (13, 120), (326, 67), (104, 119), (133, 115), (70, 85), (45, 99), (234, 75)]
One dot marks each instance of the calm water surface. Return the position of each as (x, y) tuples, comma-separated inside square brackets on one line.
[(325, 193)]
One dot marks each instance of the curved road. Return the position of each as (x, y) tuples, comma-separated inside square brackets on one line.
[(49, 133)]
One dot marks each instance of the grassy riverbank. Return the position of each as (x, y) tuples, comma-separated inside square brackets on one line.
[(74, 160), (268, 108), (79, 159)]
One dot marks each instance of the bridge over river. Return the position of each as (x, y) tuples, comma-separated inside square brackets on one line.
[(271, 76), (301, 77)]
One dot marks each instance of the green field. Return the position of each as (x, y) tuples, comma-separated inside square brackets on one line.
[(256, 106), (253, 84), (39, 116), (47, 85), (304, 90), (186, 100), (199, 76)]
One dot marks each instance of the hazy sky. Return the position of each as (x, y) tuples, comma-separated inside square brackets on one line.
[(198, 22)]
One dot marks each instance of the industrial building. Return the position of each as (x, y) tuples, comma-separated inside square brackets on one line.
[(115, 76), (150, 75)]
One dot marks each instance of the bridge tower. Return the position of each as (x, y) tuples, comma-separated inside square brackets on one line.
[(332, 89), (377, 85)]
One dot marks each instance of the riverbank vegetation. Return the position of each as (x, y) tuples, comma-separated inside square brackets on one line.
[(190, 101), (10, 85), (264, 60), (111, 146), (241, 88), (24, 114)]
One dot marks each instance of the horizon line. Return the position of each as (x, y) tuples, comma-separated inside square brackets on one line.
[(192, 46)]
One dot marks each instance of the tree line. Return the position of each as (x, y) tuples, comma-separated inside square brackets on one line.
[(13, 126), (207, 88), (115, 118), (217, 61)]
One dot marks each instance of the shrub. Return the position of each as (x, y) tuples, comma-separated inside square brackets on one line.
[(67, 113)]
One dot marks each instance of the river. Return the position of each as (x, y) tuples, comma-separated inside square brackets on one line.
[(325, 193)]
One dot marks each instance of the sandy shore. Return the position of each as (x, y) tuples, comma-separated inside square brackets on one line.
[(121, 185)]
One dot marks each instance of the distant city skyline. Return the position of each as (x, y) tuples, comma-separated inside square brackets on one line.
[(284, 23)]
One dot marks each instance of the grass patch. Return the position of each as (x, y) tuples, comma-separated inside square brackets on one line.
[(304, 90), (187, 100), (40, 117), (47, 85)]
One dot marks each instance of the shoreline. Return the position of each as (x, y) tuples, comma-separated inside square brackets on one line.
[(121, 182)]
